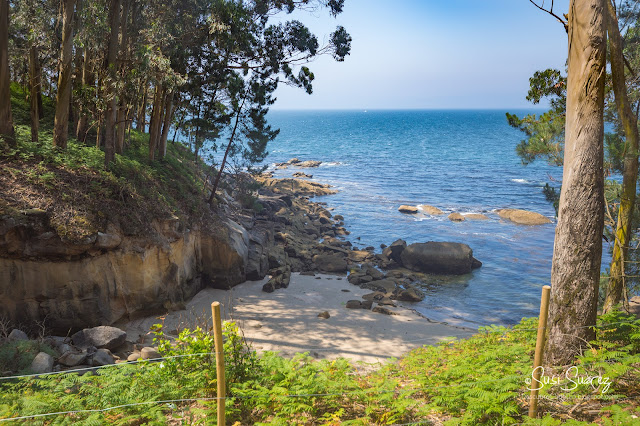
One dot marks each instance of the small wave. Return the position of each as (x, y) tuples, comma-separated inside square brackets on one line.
[(333, 163), (520, 181)]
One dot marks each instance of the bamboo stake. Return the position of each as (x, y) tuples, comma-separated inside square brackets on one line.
[(217, 330), (537, 361)]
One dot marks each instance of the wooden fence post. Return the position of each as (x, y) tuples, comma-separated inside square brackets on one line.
[(217, 333), (537, 360)]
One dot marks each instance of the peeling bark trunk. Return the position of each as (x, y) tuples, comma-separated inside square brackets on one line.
[(63, 97), (575, 272), (630, 172), (33, 93)]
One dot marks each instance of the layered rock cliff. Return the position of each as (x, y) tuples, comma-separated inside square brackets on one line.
[(111, 276)]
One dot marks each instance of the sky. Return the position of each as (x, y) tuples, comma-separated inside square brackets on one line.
[(432, 54)]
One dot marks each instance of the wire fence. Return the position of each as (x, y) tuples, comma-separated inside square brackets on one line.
[(171, 402)]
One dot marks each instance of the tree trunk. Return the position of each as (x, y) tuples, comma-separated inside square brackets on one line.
[(226, 153), (76, 99), (39, 88), (87, 79), (630, 172), (168, 115), (61, 123), (6, 119), (156, 121), (575, 272), (142, 111), (122, 106), (33, 93), (112, 101)]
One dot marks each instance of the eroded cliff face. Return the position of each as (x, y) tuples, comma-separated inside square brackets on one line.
[(111, 277)]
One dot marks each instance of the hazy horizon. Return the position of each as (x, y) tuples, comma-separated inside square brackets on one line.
[(430, 54)]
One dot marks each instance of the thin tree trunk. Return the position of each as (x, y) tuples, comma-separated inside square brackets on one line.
[(142, 111), (630, 172), (226, 153), (63, 97), (83, 120), (39, 88), (156, 121), (33, 93), (111, 75), (196, 148), (77, 75), (6, 119), (575, 272), (168, 115), (122, 107)]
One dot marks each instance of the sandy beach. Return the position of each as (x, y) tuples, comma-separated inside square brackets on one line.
[(287, 320)]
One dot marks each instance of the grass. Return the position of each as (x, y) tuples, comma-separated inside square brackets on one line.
[(81, 197)]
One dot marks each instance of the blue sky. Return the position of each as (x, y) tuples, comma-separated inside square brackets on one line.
[(432, 54)]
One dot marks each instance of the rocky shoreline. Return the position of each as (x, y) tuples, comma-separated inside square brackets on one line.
[(290, 233)]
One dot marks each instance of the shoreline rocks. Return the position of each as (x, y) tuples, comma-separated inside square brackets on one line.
[(408, 209), (298, 163), (523, 217), (439, 258)]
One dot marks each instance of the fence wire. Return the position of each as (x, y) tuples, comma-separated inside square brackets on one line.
[(245, 397)]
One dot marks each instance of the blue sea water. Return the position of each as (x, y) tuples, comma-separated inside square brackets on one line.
[(462, 161)]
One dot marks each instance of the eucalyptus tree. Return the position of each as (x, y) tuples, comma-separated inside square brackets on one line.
[(63, 94), (545, 134), (629, 121), (6, 119), (32, 29)]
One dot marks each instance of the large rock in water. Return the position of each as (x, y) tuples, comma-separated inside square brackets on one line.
[(523, 217), (439, 258)]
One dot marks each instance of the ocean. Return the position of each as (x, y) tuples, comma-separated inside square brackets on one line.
[(456, 160)]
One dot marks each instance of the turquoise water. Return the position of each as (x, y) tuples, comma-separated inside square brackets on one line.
[(462, 161)]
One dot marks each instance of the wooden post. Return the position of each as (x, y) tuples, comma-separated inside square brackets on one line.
[(217, 330), (537, 360)]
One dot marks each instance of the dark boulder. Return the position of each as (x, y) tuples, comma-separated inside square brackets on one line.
[(394, 251), (439, 258)]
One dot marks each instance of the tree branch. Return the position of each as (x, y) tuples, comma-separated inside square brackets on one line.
[(550, 12)]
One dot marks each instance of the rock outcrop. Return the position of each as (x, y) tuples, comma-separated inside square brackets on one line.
[(439, 258), (298, 163), (456, 217), (523, 217), (408, 209), (430, 209), (114, 276)]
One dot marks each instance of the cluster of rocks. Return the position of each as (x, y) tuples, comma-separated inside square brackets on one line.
[(306, 236), (309, 239), (87, 349), (298, 163), (521, 217)]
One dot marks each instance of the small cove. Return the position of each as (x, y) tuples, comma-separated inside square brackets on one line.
[(456, 160)]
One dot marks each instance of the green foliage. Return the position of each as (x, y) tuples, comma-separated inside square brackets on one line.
[(479, 380), (545, 133), (18, 355)]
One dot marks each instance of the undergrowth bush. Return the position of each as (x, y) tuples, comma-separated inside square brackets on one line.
[(479, 380)]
